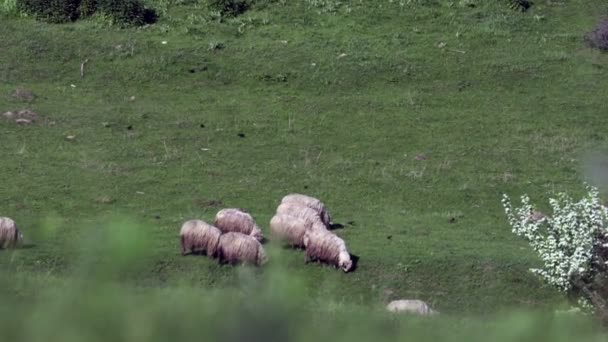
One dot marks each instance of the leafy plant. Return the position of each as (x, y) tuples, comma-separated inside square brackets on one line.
[(8, 6), (88, 7), (573, 244), (230, 8), (522, 5), (128, 11), (54, 11)]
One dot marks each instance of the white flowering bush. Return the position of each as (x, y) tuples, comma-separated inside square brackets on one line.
[(572, 244)]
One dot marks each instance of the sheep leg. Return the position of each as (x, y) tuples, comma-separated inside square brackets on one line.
[(183, 245)]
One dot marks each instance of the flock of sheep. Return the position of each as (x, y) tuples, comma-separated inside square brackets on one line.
[(300, 221)]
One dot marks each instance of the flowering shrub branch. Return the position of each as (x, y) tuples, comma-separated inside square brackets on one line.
[(572, 244)]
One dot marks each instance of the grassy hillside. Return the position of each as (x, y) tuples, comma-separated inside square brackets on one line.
[(408, 121)]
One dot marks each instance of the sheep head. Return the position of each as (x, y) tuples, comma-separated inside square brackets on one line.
[(256, 233), (344, 261)]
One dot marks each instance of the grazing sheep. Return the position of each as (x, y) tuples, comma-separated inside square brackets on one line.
[(237, 247), (198, 236), (312, 203), (292, 229), (326, 246), (414, 306), (235, 220), (310, 216), (10, 236)]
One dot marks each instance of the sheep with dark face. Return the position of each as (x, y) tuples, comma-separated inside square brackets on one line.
[(311, 203), (10, 236), (310, 216), (325, 246), (236, 220), (240, 248), (197, 236), (291, 229)]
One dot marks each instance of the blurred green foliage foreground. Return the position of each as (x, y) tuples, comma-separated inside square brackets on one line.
[(94, 303)]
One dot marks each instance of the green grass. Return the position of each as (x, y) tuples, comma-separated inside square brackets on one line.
[(510, 104)]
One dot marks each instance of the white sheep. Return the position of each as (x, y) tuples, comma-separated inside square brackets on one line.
[(414, 306), (236, 220), (197, 236), (298, 210), (326, 246), (10, 236), (312, 203), (237, 247), (292, 228)]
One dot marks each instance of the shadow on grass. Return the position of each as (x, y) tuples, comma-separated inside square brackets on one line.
[(335, 226), (355, 259)]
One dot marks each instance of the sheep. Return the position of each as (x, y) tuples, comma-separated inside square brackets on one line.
[(237, 247), (310, 216), (312, 203), (414, 306), (198, 236), (10, 236), (236, 220), (326, 246), (292, 228)]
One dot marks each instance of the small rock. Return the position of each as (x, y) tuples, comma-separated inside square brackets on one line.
[(70, 137), (105, 200), (132, 98), (342, 55), (9, 115), (23, 94), (441, 45), (22, 121), (27, 114), (421, 156), (413, 306)]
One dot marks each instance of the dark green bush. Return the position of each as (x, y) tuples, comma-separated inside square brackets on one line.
[(87, 8), (132, 12), (229, 8), (128, 11), (54, 11)]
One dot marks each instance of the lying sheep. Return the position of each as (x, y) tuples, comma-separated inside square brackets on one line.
[(292, 229), (10, 236), (310, 216), (236, 247), (326, 246), (235, 220), (197, 236), (414, 306), (312, 203)]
